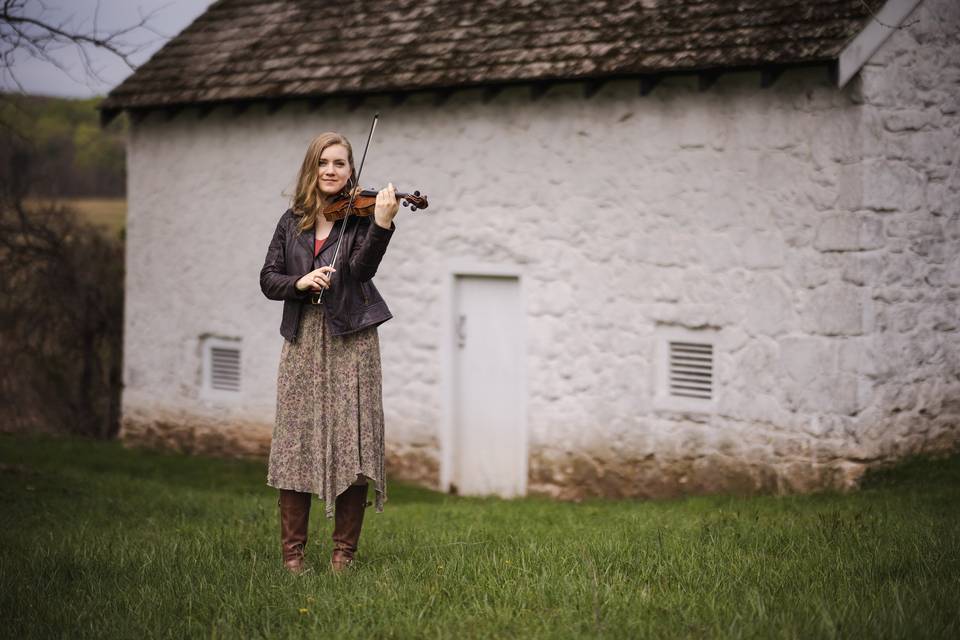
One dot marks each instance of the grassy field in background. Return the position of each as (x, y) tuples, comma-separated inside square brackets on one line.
[(101, 542), (108, 213)]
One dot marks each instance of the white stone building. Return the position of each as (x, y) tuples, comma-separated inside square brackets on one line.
[(762, 206)]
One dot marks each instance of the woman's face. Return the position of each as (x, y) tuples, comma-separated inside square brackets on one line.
[(334, 170)]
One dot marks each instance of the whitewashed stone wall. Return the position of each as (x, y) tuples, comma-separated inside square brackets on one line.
[(909, 186), (812, 233)]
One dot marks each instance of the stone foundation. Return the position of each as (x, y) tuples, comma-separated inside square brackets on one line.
[(577, 475), (197, 436), (564, 475), (204, 436), (415, 464)]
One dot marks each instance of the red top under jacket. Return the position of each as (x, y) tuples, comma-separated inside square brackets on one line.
[(319, 243)]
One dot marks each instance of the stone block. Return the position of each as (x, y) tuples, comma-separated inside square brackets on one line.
[(806, 358), (769, 307), (889, 185), (856, 356), (716, 251), (909, 120), (849, 232), (762, 250), (903, 318), (902, 269), (814, 382), (828, 426), (908, 355), (939, 198), (865, 268), (935, 277), (923, 225), (667, 286), (732, 338), (554, 298), (934, 250), (822, 192), (834, 309), (806, 269), (951, 275)]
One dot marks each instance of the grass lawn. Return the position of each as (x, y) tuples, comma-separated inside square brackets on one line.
[(97, 541)]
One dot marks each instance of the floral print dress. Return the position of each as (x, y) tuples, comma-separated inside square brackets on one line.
[(329, 426)]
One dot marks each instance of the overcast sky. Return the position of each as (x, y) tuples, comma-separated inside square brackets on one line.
[(169, 17)]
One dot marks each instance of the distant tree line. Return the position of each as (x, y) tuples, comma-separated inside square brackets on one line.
[(61, 279), (69, 154)]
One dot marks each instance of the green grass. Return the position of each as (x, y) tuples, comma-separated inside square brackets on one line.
[(98, 541)]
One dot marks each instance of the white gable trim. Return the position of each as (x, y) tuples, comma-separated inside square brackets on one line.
[(859, 50)]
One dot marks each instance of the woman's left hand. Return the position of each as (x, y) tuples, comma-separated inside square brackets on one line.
[(386, 207)]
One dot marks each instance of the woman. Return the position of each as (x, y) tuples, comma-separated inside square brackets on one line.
[(328, 436)]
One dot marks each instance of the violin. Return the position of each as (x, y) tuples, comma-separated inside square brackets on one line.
[(365, 201)]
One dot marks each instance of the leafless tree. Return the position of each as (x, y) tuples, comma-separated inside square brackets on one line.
[(61, 280), (27, 28), (61, 313)]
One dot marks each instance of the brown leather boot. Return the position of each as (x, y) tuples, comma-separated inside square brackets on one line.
[(294, 521), (348, 520)]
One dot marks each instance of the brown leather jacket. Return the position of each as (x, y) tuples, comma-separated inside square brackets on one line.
[(352, 302)]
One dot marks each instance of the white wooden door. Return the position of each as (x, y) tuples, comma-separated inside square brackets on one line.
[(490, 439)]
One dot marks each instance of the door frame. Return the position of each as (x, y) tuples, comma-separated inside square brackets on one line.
[(448, 359)]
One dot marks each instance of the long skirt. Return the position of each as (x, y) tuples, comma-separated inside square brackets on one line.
[(329, 427)]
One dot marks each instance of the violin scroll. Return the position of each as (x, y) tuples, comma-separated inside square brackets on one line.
[(415, 200)]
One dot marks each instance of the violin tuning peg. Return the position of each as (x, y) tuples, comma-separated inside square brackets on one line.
[(416, 193), (405, 203), (413, 208)]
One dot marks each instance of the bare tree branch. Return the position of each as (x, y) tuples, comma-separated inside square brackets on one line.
[(40, 37)]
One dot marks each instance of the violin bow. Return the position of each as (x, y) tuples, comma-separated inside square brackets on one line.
[(353, 195)]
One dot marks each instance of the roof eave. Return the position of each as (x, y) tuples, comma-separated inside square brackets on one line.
[(113, 105)]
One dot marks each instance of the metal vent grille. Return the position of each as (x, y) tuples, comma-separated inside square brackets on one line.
[(225, 368), (691, 370)]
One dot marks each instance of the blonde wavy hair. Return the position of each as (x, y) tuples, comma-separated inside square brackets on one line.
[(307, 201)]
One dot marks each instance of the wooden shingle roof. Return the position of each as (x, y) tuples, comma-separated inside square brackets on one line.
[(242, 50)]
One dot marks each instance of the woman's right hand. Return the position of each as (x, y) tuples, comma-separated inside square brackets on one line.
[(316, 280)]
